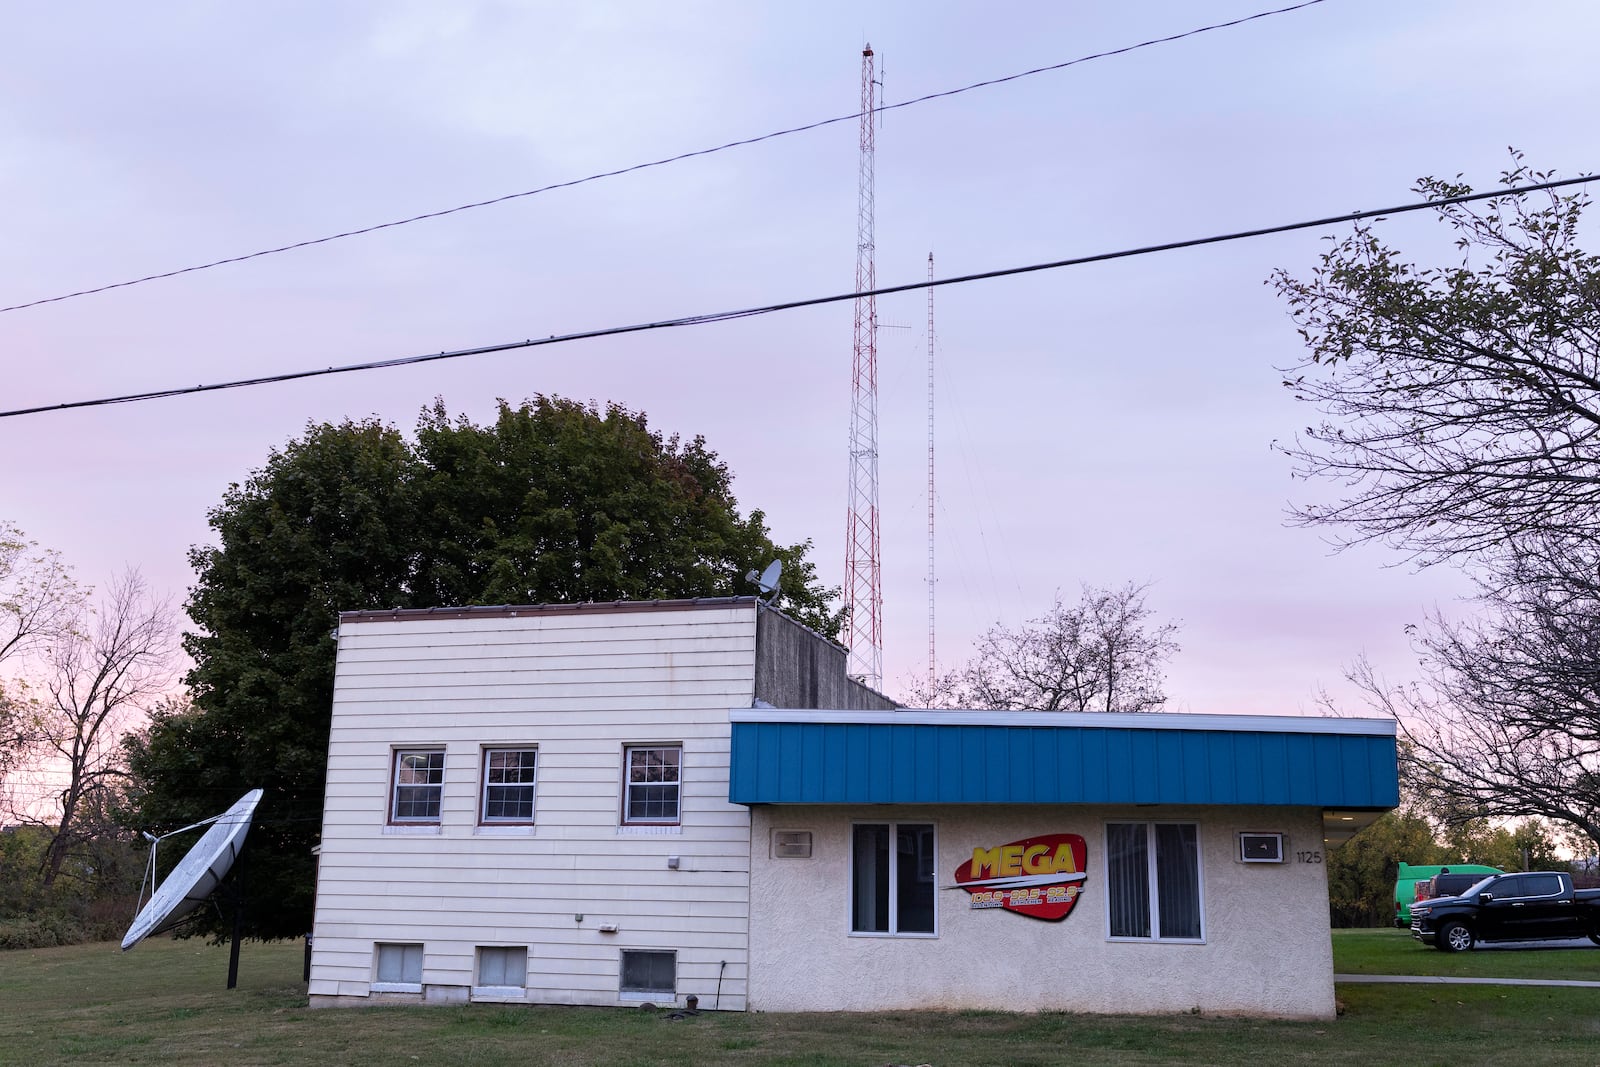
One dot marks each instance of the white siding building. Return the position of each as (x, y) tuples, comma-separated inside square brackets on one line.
[(532, 803), (603, 804)]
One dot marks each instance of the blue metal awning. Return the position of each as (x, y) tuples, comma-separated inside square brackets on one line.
[(939, 757)]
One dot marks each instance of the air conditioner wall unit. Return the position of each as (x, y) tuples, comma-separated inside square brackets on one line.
[(1260, 846)]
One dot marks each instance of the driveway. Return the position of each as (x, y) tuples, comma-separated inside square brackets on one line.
[(1495, 946), (1505, 946)]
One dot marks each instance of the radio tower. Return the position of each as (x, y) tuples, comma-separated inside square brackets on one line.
[(932, 669), (863, 583)]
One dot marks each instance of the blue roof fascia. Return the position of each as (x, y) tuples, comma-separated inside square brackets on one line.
[(832, 758)]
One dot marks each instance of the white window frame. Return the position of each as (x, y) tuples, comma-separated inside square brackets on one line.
[(1152, 883), (395, 785), (404, 985), (484, 786), (894, 930), (499, 990), (628, 819)]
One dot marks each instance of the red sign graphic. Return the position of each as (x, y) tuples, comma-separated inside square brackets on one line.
[(1040, 877)]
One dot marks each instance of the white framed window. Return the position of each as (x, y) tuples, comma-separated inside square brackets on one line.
[(1153, 890), (509, 779), (397, 968), (892, 868), (646, 971), (503, 969), (418, 785), (652, 785)]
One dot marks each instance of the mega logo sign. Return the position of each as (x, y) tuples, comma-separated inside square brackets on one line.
[(1040, 877)]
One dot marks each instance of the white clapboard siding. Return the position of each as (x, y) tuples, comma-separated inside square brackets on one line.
[(577, 687)]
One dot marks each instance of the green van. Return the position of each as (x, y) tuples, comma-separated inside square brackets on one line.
[(1405, 885)]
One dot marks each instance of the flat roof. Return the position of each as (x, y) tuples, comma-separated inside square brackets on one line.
[(513, 611)]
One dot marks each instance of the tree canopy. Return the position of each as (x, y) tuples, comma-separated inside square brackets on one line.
[(1461, 402), (1461, 424), (553, 501), (39, 602)]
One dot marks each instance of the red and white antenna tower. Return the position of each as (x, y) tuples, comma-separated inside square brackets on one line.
[(933, 673), (863, 583)]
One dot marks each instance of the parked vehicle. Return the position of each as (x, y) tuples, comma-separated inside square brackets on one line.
[(1533, 906), (1449, 883), (1405, 885)]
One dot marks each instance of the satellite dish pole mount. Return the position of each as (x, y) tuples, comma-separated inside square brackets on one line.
[(767, 581)]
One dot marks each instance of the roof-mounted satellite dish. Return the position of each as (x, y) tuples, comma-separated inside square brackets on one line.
[(197, 874), (767, 580)]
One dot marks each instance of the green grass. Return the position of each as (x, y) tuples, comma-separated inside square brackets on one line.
[(164, 1004), (1397, 952)]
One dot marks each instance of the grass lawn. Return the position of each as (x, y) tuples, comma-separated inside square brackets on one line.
[(164, 1004), (1397, 952)]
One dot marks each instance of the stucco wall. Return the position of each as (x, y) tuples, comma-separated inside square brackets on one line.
[(1267, 949), (797, 668)]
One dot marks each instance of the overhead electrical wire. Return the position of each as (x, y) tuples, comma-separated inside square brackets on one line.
[(655, 162), (791, 305)]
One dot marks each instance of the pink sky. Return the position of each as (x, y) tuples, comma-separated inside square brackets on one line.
[(1099, 424)]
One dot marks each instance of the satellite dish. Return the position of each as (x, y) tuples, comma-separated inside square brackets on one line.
[(197, 874), (768, 579)]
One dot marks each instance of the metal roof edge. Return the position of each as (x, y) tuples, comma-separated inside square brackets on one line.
[(512, 611), (1077, 720)]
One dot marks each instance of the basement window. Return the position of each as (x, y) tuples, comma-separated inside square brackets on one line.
[(502, 972), (649, 972), (398, 968)]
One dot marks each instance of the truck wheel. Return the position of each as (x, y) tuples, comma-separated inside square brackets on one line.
[(1595, 938), (1453, 937)]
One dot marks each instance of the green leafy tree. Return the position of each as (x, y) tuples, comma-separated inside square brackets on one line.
[(562, 502), (328, 524), (554, 501), (1362, 870)]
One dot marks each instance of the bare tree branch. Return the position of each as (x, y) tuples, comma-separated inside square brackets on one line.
[(1101, 654), (1462, 424), (103, 673), (38, 598)]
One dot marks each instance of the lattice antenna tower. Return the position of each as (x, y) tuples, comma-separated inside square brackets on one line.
[(863, 585), (933, 673)]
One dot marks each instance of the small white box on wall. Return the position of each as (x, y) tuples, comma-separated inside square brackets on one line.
[(1258, 846), (791, 844)]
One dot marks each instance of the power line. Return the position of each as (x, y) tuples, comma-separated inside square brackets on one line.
[(816, 301), (657, 162)]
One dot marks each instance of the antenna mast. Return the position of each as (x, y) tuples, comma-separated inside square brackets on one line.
[(932, 668), (863, 584)]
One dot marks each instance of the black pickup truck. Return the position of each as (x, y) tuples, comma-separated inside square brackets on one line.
[(1534, 906)]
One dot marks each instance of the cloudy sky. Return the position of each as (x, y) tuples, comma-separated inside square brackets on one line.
[(1097, 424)]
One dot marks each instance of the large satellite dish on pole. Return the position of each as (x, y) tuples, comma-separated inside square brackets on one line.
[(197, 875)]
